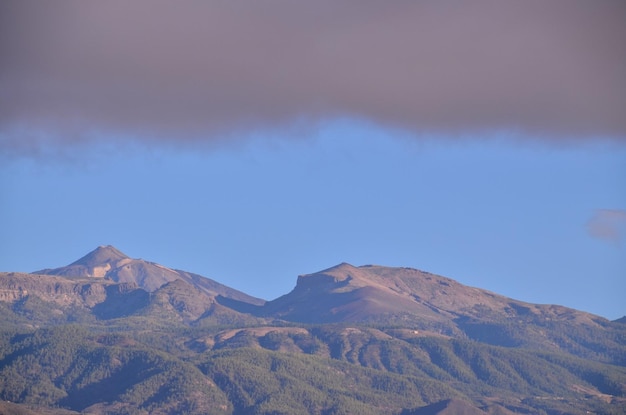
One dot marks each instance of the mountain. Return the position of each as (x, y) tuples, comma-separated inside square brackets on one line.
[(43, 300), (106, 284), (109, 334), (346, 293), (108, 263), (349, 293), (423, 301)]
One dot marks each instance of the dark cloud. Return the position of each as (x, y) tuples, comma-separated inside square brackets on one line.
[(195, 68), (608, 224)]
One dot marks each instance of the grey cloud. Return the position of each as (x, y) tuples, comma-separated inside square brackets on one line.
[(190, 69), (608, 225)]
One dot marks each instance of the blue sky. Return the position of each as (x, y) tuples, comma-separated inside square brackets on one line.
[(251, 142), (498, 212)]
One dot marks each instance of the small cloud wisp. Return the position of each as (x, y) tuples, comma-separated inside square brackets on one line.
[(608, 225)]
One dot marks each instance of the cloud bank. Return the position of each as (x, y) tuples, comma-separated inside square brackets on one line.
[(172, 69)]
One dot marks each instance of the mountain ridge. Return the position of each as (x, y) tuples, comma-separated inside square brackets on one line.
[(404, 295), (99, 338), (345, 294)]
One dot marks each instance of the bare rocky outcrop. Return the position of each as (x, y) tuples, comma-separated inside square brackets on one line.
[(58, 290)]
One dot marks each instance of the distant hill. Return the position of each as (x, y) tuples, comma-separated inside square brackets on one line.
[(109, 334)]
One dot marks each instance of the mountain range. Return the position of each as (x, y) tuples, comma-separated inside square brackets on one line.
[(109, 334)]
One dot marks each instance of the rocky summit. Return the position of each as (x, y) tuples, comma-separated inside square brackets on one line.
[(109, 334)]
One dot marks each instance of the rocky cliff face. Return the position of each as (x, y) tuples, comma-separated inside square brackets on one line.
[(58, 290)]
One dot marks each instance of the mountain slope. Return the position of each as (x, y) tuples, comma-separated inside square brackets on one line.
[(248, 371), (42, 300), (348, 293), (108, 263), (416, 299), (105, 284), (72, 368), (95, 264)]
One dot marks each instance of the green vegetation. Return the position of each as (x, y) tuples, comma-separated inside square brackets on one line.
[(327, 369), (70, 367)]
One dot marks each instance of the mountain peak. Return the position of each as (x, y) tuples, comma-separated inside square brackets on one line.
[(95, 264), (109, 263), (101, 256)]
